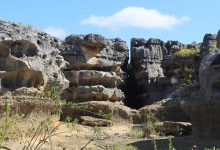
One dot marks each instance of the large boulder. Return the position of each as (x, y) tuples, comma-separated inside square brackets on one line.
[(96, 68), (29, 58), (165, 110), (203, 106)]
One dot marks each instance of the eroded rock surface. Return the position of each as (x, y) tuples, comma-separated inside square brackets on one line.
[(203, 106), (100, 109), (29, 58), (96, 68)]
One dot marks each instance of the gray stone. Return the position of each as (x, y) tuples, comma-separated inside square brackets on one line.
[(30, 58), (203, 105), (95, 69), (165, 110)]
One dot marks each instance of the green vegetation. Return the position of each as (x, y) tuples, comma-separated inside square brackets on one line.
[(213, 46), (155, 145), (214, 148), (6, 124), (151, 126), (187, 81), (170, 145), (52, 92), (187, 52), (137, 132)]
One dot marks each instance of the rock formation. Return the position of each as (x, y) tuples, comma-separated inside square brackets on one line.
[(209, 43), (203, 106), (96, 68), (156, 71), (92, 70), (29, 58)]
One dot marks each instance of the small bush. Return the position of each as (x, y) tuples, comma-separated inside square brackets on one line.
[(151, 126), (187, 52), (187, 81), (137, 132)]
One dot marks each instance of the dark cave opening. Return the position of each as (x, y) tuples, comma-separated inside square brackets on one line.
[(132, 90)]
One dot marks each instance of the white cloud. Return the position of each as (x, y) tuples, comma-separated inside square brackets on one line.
[(138, 17), (57, 32)]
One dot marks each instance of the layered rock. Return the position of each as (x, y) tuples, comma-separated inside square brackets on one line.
[(29, 58), (96, 68), (144, 71), (203, 106)]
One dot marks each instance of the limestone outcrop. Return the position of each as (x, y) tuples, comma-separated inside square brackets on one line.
[(96, 68), (29, 58), (156, 70), (203, 105)]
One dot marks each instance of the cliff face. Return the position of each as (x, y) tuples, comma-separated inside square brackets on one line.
[(91, 67)]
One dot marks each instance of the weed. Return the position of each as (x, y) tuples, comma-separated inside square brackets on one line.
[(43, 133), (187, 81), (7, 122), (155, 145), (137, 132), (56, 111), (170, 145), (52, 92), (151, 125)]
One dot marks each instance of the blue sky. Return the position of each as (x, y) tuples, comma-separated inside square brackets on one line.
[(185, 20)]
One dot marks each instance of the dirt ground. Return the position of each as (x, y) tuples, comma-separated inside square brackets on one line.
[(75, 137)]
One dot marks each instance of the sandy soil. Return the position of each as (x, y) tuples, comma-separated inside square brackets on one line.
[(75, 137)]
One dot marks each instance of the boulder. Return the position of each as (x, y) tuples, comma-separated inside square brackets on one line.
[(94, 122), (96, 68), (165, 110), (175, 128)]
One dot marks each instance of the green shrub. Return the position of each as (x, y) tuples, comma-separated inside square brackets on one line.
[(187, 81), (137, 132), (187, 52), (151, 125), (213, 46)]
